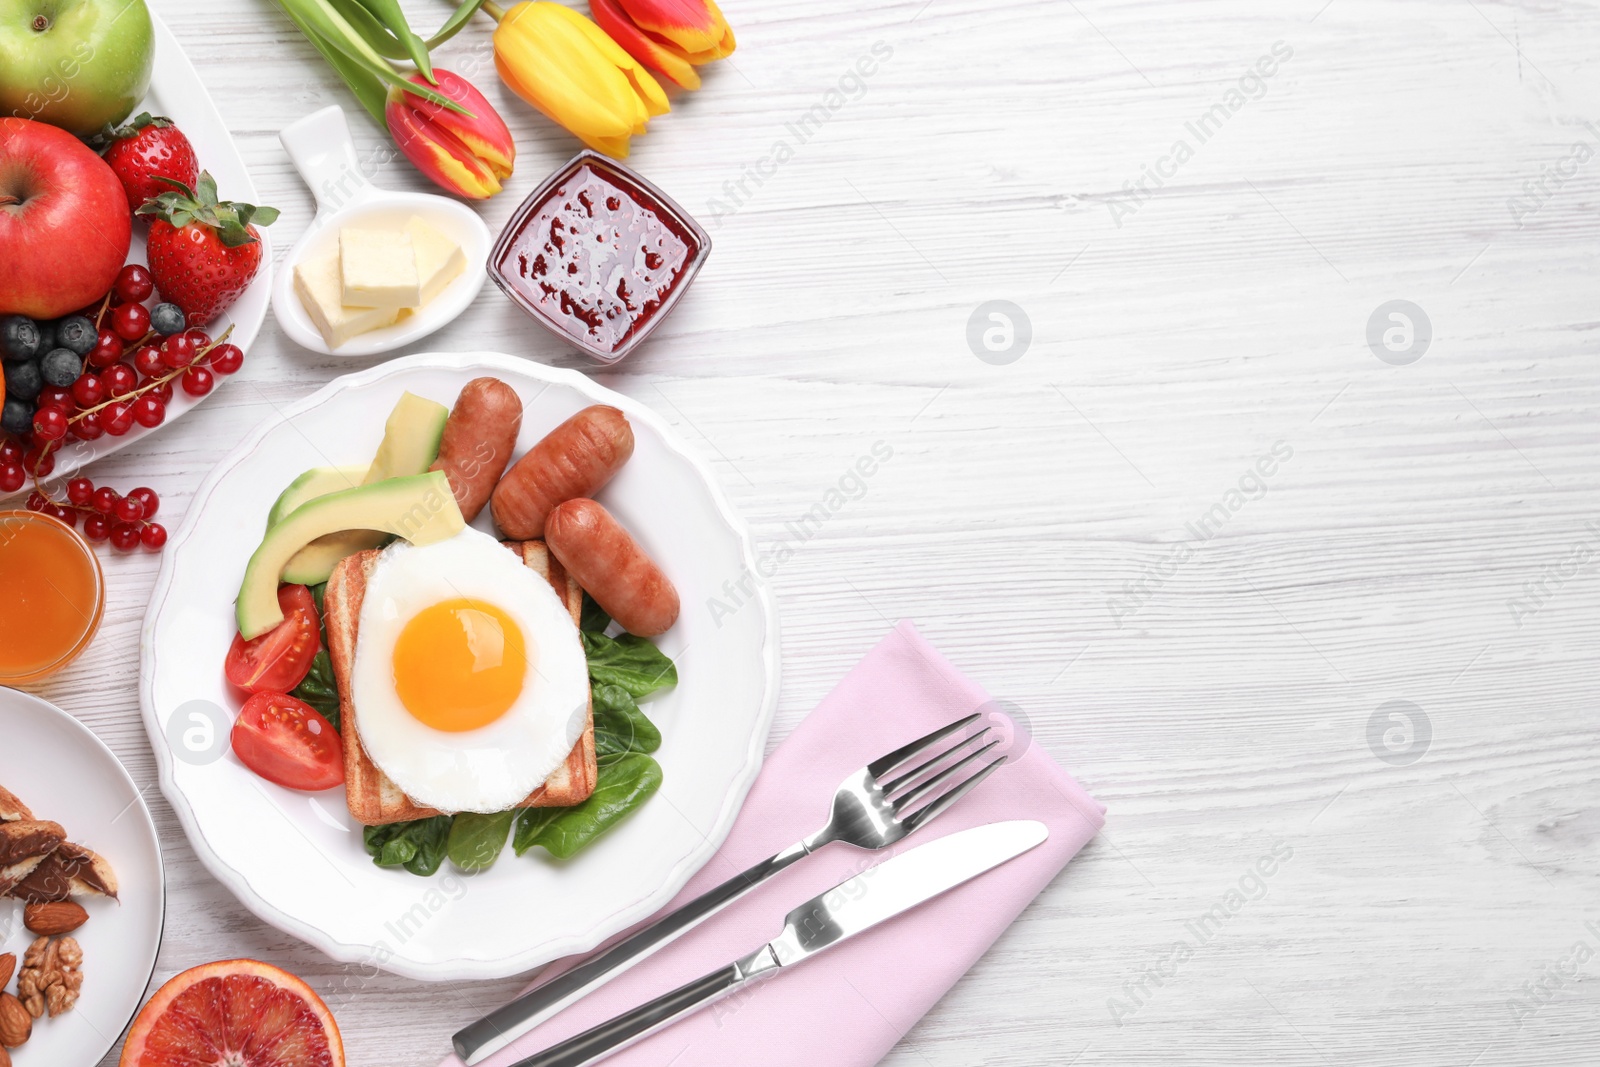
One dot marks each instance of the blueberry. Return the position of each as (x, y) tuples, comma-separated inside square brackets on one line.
[(23, 380), (77, 334), (18, 417), (61, 366), (167, 319), (47, 336), (19, 337)]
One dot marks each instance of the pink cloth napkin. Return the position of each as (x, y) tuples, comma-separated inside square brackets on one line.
[(848, 1006)]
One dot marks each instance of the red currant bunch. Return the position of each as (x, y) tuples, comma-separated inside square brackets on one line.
[(107, 515)]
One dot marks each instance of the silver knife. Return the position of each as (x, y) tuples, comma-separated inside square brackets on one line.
[(878, 893)]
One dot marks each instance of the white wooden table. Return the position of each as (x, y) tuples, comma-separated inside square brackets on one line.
[(1423, 535)]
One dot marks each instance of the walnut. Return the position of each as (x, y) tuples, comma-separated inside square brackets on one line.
[(30, 981), (52, 976)]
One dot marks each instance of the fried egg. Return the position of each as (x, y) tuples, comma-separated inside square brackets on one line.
[(469, 676)]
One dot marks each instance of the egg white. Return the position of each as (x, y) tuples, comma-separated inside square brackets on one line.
[(496, 766)]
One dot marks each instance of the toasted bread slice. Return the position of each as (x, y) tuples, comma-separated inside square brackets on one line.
[(372, 798)]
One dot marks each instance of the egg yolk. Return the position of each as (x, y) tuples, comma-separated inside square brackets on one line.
[(460, 664)]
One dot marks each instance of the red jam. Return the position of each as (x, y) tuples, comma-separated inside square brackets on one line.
[(598, 255)]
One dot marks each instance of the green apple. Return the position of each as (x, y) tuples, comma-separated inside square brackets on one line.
[(77, 64)]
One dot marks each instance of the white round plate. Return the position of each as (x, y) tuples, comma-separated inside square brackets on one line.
[(297, 859), (65, 774), (177, 92)]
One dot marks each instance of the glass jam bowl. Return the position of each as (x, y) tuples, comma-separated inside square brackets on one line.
[(598, 256)]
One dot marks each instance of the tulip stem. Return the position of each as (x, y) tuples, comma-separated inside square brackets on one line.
[(494, 10)]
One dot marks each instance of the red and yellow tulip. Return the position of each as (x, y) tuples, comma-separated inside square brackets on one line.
[(467, 155), (564, 65), (669, 36)]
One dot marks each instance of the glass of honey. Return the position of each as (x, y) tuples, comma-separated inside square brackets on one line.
[(52, 595)]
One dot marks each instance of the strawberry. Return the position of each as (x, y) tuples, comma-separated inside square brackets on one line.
[(146, 150), (202, 251)]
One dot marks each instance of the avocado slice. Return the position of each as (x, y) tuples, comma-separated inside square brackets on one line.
[(410, 444), (318, 481), (419, 507)]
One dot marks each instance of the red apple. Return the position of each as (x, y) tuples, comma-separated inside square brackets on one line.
[(64, 222)]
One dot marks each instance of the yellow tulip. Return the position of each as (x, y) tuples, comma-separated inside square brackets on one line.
[(564, 65)]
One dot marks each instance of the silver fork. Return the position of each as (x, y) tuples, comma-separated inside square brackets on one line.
[(871, 810)]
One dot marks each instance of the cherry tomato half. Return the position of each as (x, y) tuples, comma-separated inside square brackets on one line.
[(279, 659), (287, 742)]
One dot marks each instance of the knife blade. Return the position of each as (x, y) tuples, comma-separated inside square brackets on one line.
[(857, 904)]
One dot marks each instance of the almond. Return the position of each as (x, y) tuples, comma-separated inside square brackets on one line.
[(55, 917), (8, 964), (5, 1057), (16, 1025)]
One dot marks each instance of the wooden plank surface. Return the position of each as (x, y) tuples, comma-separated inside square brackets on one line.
[(1215, 691)]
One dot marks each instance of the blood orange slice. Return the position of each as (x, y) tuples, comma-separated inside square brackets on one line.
[(234, 1013)]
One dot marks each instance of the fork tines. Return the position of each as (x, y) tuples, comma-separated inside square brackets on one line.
[(909, 787)]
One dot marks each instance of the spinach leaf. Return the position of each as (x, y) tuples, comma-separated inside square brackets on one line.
[(619, 726), (418, 846), (624, 785), (318, 688), (317, 592), (594, 620), (630, 662), (531, 822), (476, 840)]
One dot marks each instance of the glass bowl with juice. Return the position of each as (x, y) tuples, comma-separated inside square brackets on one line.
[(52, 595)]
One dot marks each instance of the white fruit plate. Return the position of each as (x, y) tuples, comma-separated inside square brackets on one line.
[(297, 859), (65, 774), (177, 92)]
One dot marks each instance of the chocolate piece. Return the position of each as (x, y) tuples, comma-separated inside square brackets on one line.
[(12, 809), (70, 871)]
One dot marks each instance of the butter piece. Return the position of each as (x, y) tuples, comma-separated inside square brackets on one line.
[(378, 269), (316, 282), (439, 259)]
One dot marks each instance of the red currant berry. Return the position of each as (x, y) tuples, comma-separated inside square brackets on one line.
[(87, 426), (49, 424), (154, 535), (148, 361), (66, 515), (124, 535), (134, 284), (225, 359), (119, 379), (178, 351), (198, 381), (88, 390), (162, 392), (128, 510), (59, 397), (39, 460), (117, 418), (10, 451), (36, 501), (11, 476), (200, 338), (149, 410), (105, 499), (80, 491), (96, 527), (131, 321), (108, 348), (147, 499)]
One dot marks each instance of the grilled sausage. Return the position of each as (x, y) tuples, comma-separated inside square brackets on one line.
[(575, 459), (478, 440), (610, 565)]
